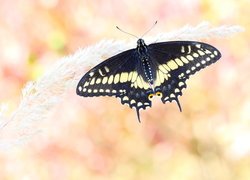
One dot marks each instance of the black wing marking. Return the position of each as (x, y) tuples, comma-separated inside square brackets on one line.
[(118, 76), (176, 61)]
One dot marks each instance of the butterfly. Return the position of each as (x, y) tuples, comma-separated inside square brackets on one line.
[(158, 69)]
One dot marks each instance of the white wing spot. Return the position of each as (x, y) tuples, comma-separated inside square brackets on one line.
[(125, 98), (106, 69), (139, 104), (132, 101), (182, 49), (189, 49), (198, 46), (198, 65), (181, 84), (172, 95), (80, 88), (176, 90), (100, 72), (195, 55), (201, 52), (91, 74), (208, 52), (190, 58)]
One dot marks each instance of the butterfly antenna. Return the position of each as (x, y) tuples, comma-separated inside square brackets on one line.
[(149, 29), (126, 32)]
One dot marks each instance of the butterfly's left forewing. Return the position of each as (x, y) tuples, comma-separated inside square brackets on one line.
[(118, 76), (175, 62)]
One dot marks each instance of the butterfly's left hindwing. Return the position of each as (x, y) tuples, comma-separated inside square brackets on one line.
[(118, 76), (176, 61)]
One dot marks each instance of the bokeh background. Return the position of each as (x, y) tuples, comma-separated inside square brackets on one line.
[(97, 138)]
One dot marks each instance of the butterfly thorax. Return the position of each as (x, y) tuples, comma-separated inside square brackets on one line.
[(142, 51)]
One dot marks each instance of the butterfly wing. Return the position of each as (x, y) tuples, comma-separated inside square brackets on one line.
[(118, 76), (176, 61)]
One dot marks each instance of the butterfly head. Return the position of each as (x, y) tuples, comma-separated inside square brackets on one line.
[(140, 43)]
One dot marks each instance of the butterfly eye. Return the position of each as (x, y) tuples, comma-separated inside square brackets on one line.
[(159, 94), (150, 96)]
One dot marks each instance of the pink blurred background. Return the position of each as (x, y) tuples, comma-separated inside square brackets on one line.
[(210, 139)]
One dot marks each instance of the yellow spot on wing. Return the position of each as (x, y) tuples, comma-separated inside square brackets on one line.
[(189, 57), (100, 72), (163, 69), (139, 82), (161, 76), (124, 77), (104, 80), (196, 55), (172, 65), (166, 67), (116, 80), (184, 59), (134, 76), (98, 81), (92, 81), (201, 52), (179, 62), (145, 84), (130, 76), (110, 79), (86, 84)]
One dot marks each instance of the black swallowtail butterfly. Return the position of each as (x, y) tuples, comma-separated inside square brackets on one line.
[(136, 75)]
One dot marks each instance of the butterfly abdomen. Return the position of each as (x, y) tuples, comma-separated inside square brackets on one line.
[(148, 72)]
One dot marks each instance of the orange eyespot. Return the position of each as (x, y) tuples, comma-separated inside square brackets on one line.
[(150, 96), (159, 94)]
